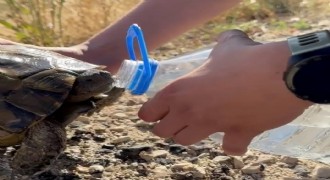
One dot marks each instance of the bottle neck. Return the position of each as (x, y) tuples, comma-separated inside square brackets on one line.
[(133, 76), (126, 73)]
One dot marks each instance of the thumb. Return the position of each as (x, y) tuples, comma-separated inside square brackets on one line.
[(236, 143), (236, 37)]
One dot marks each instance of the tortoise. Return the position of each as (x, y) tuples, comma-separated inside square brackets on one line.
[(41, 93)]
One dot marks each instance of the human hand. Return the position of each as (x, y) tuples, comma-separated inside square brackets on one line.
[(80, 51), (72, 51), (238, 91)]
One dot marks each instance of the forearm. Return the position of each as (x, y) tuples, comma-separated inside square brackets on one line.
[(160, 20)]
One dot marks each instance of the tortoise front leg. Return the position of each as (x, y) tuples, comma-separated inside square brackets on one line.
[(43, 143)]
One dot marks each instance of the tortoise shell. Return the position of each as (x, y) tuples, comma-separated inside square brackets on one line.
[(35, 83)]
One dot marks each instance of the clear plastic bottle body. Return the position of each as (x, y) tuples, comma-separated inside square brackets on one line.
[(167, 70), (308, 136), (171, 69)]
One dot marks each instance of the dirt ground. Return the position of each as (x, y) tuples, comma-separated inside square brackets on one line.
[(115, 144)]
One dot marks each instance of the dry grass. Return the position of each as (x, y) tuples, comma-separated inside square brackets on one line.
[(48, 23), (81, 19)]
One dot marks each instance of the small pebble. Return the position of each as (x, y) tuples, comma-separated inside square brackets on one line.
[(321, 172), (197, 171), (117, 129), (121, 139), (148, 156), (160, 172), (238, 162), (82, 169), (120, 116), (289, 160), (96, 169), (267, 159), (221, 159), (251, 169), (301, 170)]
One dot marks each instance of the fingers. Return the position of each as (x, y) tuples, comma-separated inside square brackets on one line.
[(236, 143), (192, 134), (154, 109), (169, 126)]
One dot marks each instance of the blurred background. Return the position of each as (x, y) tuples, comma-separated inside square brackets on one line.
[(68, 22)]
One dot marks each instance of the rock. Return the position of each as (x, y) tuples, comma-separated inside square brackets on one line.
[(131, 102), (177, 149), (117, 129), (251, 169), (121, 107), (262, 167), (143, 124), (82, 169), (148, 156), (301, 170), (120, 116), (221, 159), (143, 170), (132, 152), (193, 160), (108, 169), (164, 161), (282, 165), (221, 173), (197, 172), (226, 178), (160, 172), (75, 150), (135, 164), (267, 159), (321, 172), (121, 139), (100, 129), (99, 138), (203, 155), (96, 169), (102, 119), (104, 151), (289, 160), (76, 124), (225, 169), (182, 176), (238, 162), (108, 146), (215, 152)]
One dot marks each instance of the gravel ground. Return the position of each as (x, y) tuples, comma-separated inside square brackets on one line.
[(115, 144)]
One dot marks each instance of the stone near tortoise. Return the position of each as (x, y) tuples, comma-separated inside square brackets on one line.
[(41, 93)]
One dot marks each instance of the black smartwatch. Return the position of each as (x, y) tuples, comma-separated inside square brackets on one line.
[(308, 71)]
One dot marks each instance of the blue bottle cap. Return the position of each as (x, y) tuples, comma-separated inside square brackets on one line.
[(146, 70)]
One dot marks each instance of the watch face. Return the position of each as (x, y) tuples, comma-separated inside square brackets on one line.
[(310, 79)]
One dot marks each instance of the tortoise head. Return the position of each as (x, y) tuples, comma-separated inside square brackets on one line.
[(90, 83)]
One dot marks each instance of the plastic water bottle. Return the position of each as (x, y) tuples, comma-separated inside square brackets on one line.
[(307, 136), (130, 73), (149, 76)]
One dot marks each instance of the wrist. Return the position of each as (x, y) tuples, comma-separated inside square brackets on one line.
[(277, 55)]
